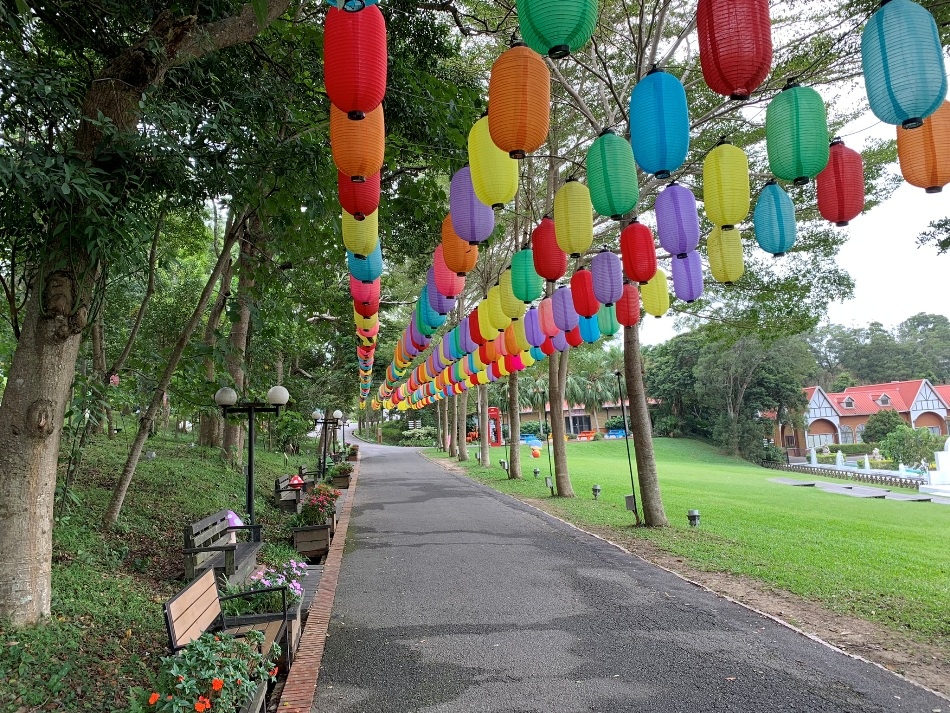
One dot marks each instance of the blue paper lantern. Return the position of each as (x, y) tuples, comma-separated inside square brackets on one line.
[(537, 354), (366, 269), (659, 123), (590, 330), (427, 316), (774, 220), (903, 65)]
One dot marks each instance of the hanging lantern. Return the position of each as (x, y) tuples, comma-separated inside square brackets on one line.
[(368, 269), (582, 294), (355, 60), (427, 315), (511, 339), (677, 222), (526, 283), (607, 276), (726, 185), (549, 260), (519, 101), (358, 147), (512, 306), (496, 313), (364, 291), (521, 336), (546, 317), (458, 254), (924, 153), (840, 186), (735, 45), (488, 352), (903, 64), (556, 27), (724, 248), (366, 309), (612, 175), (494, 172), (472, 220), (365, 322), (589, 329), (659, 123), (656, 295), (358, 199), (447, 281), (360, 236), (638, 252), (559, 341), (548, 348), (607, 318), (537, 354), (437, 301), (688, 277), (774, 220), (573, 218), (532, 327), (565, 316), (574, 337), (475, 327), (796, 134)]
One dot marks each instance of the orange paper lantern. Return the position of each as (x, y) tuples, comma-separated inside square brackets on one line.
[(924, 153), (519, 101), (459, 255), (358, 147)]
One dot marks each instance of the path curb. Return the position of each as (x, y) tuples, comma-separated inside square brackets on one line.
[(301, 686)]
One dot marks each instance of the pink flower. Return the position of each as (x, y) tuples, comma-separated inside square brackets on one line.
[(114, 380)]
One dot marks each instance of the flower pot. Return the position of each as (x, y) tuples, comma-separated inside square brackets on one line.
[(312, 541), (256, 704)]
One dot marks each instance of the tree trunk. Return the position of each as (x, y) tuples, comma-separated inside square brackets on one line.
[(463, 425), (158, 397), (452, 430), (484, 454), (233, 444), (514, 428), (98, 342), (641, 430), (557, 368), (211, 431)]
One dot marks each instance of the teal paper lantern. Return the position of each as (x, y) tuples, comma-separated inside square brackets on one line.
[(659, 123), (903, 65), (612, 175), (796, 134), (607, 320), (556, 27), (589, 329), (774, 220), (526, 284)]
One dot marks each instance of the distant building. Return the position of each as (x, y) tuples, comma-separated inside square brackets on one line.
[(840, 417)]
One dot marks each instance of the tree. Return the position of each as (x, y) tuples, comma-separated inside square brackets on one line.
[(880, 424), (842, 382), (910, 445), (937, 234)]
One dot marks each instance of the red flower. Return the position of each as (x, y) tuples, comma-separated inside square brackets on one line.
[(273, 672), (239, 682), (217, 684), (153, 698)]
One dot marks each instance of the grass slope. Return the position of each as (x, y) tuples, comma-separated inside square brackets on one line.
[(886, 561), (107, 630)]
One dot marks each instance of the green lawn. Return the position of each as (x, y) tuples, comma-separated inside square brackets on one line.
[(885, 561)]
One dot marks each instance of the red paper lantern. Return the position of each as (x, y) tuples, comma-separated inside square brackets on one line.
[(364, 291), (355, 60), (358, 199), (366, 309), (548, 347), (487, 352), (574, 337), (549, 260), (628, 307), (473, 330), (582, 292), (638, 252), (841, 185), (735, 45)]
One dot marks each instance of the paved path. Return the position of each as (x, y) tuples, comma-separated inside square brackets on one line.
[(453, 598)]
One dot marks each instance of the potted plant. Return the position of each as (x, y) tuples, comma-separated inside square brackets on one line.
[(217, 673), (310, 529), (353, 451), (340, 474)]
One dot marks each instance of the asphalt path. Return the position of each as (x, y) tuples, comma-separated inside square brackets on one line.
[(454, 598)]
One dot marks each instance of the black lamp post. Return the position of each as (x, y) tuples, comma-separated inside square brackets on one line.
[(623, 411), (337, 416), (227, 399)]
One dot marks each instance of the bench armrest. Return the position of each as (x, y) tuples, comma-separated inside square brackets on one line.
[(255, 531), (218, 548)]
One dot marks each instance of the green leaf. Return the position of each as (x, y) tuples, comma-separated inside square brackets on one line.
[(260, 9), (22, 7)]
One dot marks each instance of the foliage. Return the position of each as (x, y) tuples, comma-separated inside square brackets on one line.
[(424, 436), (277, 554), (880, 424), (854, 449), (214, 672), (614, 423), (910, 445), (317, 506), (667, 426), (287, 574), (532, 428), (289, 430)]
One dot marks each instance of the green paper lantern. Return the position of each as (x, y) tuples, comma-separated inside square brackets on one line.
[(556, 27), (612, 175), (526, 283), (796, 134), (607, 320)]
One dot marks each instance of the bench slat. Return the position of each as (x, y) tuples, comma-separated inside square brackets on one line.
[(271, 629), (209, 520), (193, 610)]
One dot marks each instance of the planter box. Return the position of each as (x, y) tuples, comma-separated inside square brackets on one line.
[(313, 541), (341, 482), (352, 457), (256, 704)]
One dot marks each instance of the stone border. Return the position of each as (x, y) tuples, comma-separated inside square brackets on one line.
[(300, 687)]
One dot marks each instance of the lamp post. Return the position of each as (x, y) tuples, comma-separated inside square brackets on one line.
[(227, 399), (623, 411), (338, 415)]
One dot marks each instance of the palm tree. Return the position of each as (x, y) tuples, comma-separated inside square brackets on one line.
[(533, 392)]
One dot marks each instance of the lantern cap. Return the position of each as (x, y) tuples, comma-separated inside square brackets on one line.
[(559, 51), (358, 179), (605, 132), (836, 141), (654, 69), (356, 115), (791, 83), (771, 182), (724, 141), (915, 122)]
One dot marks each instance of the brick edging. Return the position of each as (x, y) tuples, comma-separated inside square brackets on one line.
[(301, 686)]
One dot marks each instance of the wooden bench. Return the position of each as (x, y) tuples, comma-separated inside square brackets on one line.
[(288, 499), (586, 435), (209, 546), (196, 609)]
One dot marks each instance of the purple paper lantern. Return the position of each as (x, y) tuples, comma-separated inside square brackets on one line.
[(472, 220), (532, 328), (437, 301), (565, 316), (559, 341), (465, 337), (607, 274), (677, 221), (688, 277), (415, 336)]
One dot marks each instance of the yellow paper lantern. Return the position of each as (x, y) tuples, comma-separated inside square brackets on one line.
[(724, 248), (361, 236), (527, 359), (485, 325), (520, 337), (512, 306), (496, 313), (365, 323), (494, 172), (726, 185), (573, 218), (483, 377), (656, 295)]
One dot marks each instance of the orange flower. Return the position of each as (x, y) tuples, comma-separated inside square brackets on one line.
[(181, 678), (274, 672), (153, 698), (199, 706), (216, 684), (239, 682)]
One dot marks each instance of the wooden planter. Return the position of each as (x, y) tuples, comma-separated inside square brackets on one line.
[(341, 482), (312, 541), (256, 704)]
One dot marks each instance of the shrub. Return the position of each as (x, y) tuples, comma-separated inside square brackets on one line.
[(880, 424), (667, 426), (909, 446), (419, 436), (614, 423), (532, 428), (852, 449), (598, 436)]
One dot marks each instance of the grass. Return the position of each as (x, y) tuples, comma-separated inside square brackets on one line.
[(107, 632), (882, 560)]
